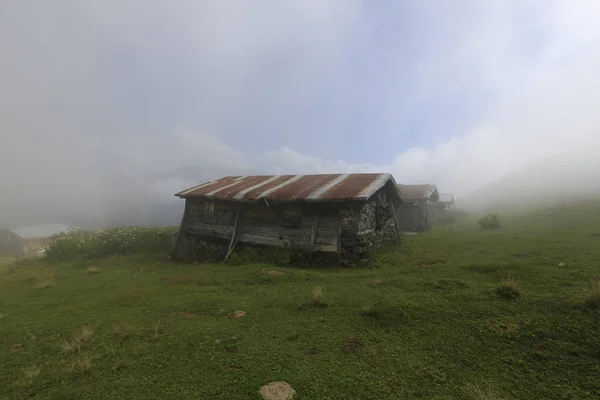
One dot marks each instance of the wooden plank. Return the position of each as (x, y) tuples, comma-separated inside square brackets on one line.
[(200, 228)]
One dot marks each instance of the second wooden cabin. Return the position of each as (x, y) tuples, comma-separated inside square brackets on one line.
[(417, 212)]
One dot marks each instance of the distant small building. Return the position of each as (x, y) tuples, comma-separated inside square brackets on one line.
[(445, 202), (27, 240), (341, 214), (417, 211)]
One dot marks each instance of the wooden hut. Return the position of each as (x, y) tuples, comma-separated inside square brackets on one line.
[(29, 240), (417, 211), (341, 214)]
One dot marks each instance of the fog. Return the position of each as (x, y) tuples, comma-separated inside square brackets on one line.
[(109, 108)]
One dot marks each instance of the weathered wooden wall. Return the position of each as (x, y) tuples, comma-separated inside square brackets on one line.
[(417, 216), (305, 226)]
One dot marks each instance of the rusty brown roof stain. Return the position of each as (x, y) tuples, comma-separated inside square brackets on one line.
[(352, 186), (290, 188), (302, 188), (254, 193)]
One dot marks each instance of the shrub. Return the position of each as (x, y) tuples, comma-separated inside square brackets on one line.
[(508, 289), (114, 241), (489, 221)]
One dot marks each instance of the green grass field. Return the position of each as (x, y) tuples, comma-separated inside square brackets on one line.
[(463, 314)]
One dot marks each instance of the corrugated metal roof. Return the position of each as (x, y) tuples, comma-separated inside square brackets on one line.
[(291, 188), (41, 231), (416, 192)]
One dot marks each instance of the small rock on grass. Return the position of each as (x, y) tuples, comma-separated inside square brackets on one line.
[(277, 391), (237, 314)]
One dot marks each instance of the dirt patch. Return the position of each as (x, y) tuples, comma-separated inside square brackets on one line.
[(18, 345), (351, 346), (374, 282), (187, 315), (232, 349), (178, 278), (273, 272), (237, 314), (129, 296), (277, 391), (504, 328)]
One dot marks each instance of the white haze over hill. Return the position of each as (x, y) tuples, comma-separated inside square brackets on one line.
[(92, 132)]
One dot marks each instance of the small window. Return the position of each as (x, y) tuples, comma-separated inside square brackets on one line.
[(208, 214), (292, 218)]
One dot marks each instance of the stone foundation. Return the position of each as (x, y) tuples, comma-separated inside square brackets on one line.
[(357, 249)]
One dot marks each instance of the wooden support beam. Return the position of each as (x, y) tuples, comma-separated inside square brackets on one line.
[(395, 219), (313, 230), (234, 234)]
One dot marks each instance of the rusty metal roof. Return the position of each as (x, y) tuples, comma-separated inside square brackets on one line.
[(418, 192), (293, 188)]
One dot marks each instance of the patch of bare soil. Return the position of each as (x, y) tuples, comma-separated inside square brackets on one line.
[(374, 282), (351, 346), (178, 278), (273, 272), (17, 345), (237, 314), (504, 328), (129, 296), (187, 315), (277, 391)]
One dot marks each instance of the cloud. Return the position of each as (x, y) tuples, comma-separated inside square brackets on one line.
[(108, 104)]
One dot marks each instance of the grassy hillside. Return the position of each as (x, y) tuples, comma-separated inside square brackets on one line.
[(458, 314)]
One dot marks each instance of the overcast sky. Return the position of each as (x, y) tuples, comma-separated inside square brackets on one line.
[(453, 92)]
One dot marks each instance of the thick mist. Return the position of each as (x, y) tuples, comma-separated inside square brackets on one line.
[(109, 108)]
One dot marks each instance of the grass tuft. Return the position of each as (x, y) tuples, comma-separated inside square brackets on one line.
[(592, 295), (318, 297), (123, 329), (44, 284), (84, 334), (508, 289), (474, 392), (83, 363), (79, 338), (30, 374), (92, 269)]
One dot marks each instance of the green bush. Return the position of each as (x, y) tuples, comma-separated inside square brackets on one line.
[(114, 241), (489, 221)]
